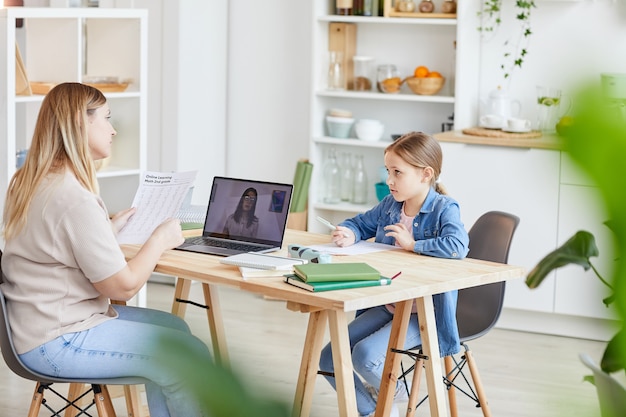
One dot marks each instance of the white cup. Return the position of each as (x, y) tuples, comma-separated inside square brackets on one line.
[(491, 120), (518, 124)]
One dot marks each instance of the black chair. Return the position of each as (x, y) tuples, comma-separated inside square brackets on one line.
[(74, 401), (478, 310)]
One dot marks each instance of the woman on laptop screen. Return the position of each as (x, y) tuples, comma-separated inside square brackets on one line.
[(243, 222)]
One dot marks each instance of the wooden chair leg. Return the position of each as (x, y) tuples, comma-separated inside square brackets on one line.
[(415, 387), (75, 390), (103, 401), (35, 403), (480, 392), (133, 405), (449, 365)]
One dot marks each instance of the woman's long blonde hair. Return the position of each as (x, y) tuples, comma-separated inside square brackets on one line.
[(420, 150), (59, 142)]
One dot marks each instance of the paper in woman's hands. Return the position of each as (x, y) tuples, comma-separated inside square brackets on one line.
[(159, 197)]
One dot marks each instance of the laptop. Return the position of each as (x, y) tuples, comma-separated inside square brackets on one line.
[(243, 216)]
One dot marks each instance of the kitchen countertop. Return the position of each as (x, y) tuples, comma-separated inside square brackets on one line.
[(543, 142)]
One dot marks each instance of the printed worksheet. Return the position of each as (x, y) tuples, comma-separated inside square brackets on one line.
[(359, 248), (159, 197)]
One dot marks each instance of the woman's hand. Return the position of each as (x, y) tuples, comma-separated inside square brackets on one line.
[(119, 220), (124, 284), (169, 234), (342, 236), (402, 235)]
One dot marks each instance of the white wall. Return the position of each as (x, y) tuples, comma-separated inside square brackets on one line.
[(572, 41), (235, 89), (193, 86), (269, 75)]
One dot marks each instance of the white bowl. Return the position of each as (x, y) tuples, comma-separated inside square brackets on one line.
[(339, 127), (369, 130)]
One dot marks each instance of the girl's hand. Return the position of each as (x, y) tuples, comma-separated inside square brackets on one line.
[(169, 234), (402, 235), (119, 220), (342, 236)]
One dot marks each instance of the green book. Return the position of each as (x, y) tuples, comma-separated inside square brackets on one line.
[(334, 285), (352, 271)]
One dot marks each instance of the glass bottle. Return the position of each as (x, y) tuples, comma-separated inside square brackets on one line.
[(336, 79), (357, 7), (347, 176), (332, 179), (369, 9), (359, 184)]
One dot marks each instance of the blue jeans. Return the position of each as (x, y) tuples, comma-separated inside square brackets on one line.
[(369, 340), (126, 346)]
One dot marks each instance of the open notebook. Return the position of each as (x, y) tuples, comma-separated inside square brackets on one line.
[(243, 216)]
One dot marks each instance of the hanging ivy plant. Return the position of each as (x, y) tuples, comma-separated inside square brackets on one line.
[(515, 49)]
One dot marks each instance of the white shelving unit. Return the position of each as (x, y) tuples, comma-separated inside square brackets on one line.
[(63, 45), (406, 42)]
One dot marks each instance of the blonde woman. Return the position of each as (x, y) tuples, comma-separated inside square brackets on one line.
[(62, 261)]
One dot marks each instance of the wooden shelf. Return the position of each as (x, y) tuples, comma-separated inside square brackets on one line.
[(422, 15)]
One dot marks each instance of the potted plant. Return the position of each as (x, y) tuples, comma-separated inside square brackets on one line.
[(595, 141)]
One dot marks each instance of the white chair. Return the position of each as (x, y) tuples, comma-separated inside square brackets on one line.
[(611, 394)]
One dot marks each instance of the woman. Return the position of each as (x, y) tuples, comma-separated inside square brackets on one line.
[(243, 221), (62, 262), (419, 217)]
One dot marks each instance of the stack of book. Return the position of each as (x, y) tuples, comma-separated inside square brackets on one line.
[(335, 276)]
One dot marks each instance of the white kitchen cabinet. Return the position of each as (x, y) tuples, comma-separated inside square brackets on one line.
[(65, 45), (405, 43), (553, 200), (521, 181), (579, 292)]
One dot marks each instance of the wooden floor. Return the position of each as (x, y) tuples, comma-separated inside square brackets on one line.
[(524, 374)]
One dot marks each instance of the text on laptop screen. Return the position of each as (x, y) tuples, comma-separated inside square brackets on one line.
[(254, 211)]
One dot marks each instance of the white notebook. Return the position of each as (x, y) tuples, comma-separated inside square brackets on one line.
[(247, 272), (263, 261)]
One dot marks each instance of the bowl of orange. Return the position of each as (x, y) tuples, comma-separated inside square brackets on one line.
[(425, 82)]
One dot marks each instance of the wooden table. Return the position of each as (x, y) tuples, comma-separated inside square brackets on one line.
[(421, 278)]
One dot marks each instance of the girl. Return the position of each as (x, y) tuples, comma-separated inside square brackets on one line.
[(419, 217), (62, 262)]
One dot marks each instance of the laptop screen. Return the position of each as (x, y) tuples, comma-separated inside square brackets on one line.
[(247, 210)]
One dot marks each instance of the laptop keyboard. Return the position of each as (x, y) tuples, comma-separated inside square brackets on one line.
[(246, 247)]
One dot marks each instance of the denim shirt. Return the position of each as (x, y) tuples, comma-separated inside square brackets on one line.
[(437, 231)]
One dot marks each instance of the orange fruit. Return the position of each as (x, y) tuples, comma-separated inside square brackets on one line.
[(434, 74), (421, 71)]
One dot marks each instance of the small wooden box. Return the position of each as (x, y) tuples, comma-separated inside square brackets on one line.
[(342, 38), (297, 221)]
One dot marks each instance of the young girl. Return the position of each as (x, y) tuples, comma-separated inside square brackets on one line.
[(419, 217), (62, 262)]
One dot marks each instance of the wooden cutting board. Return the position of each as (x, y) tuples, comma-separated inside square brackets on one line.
[(43, 88), (497, 133)]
